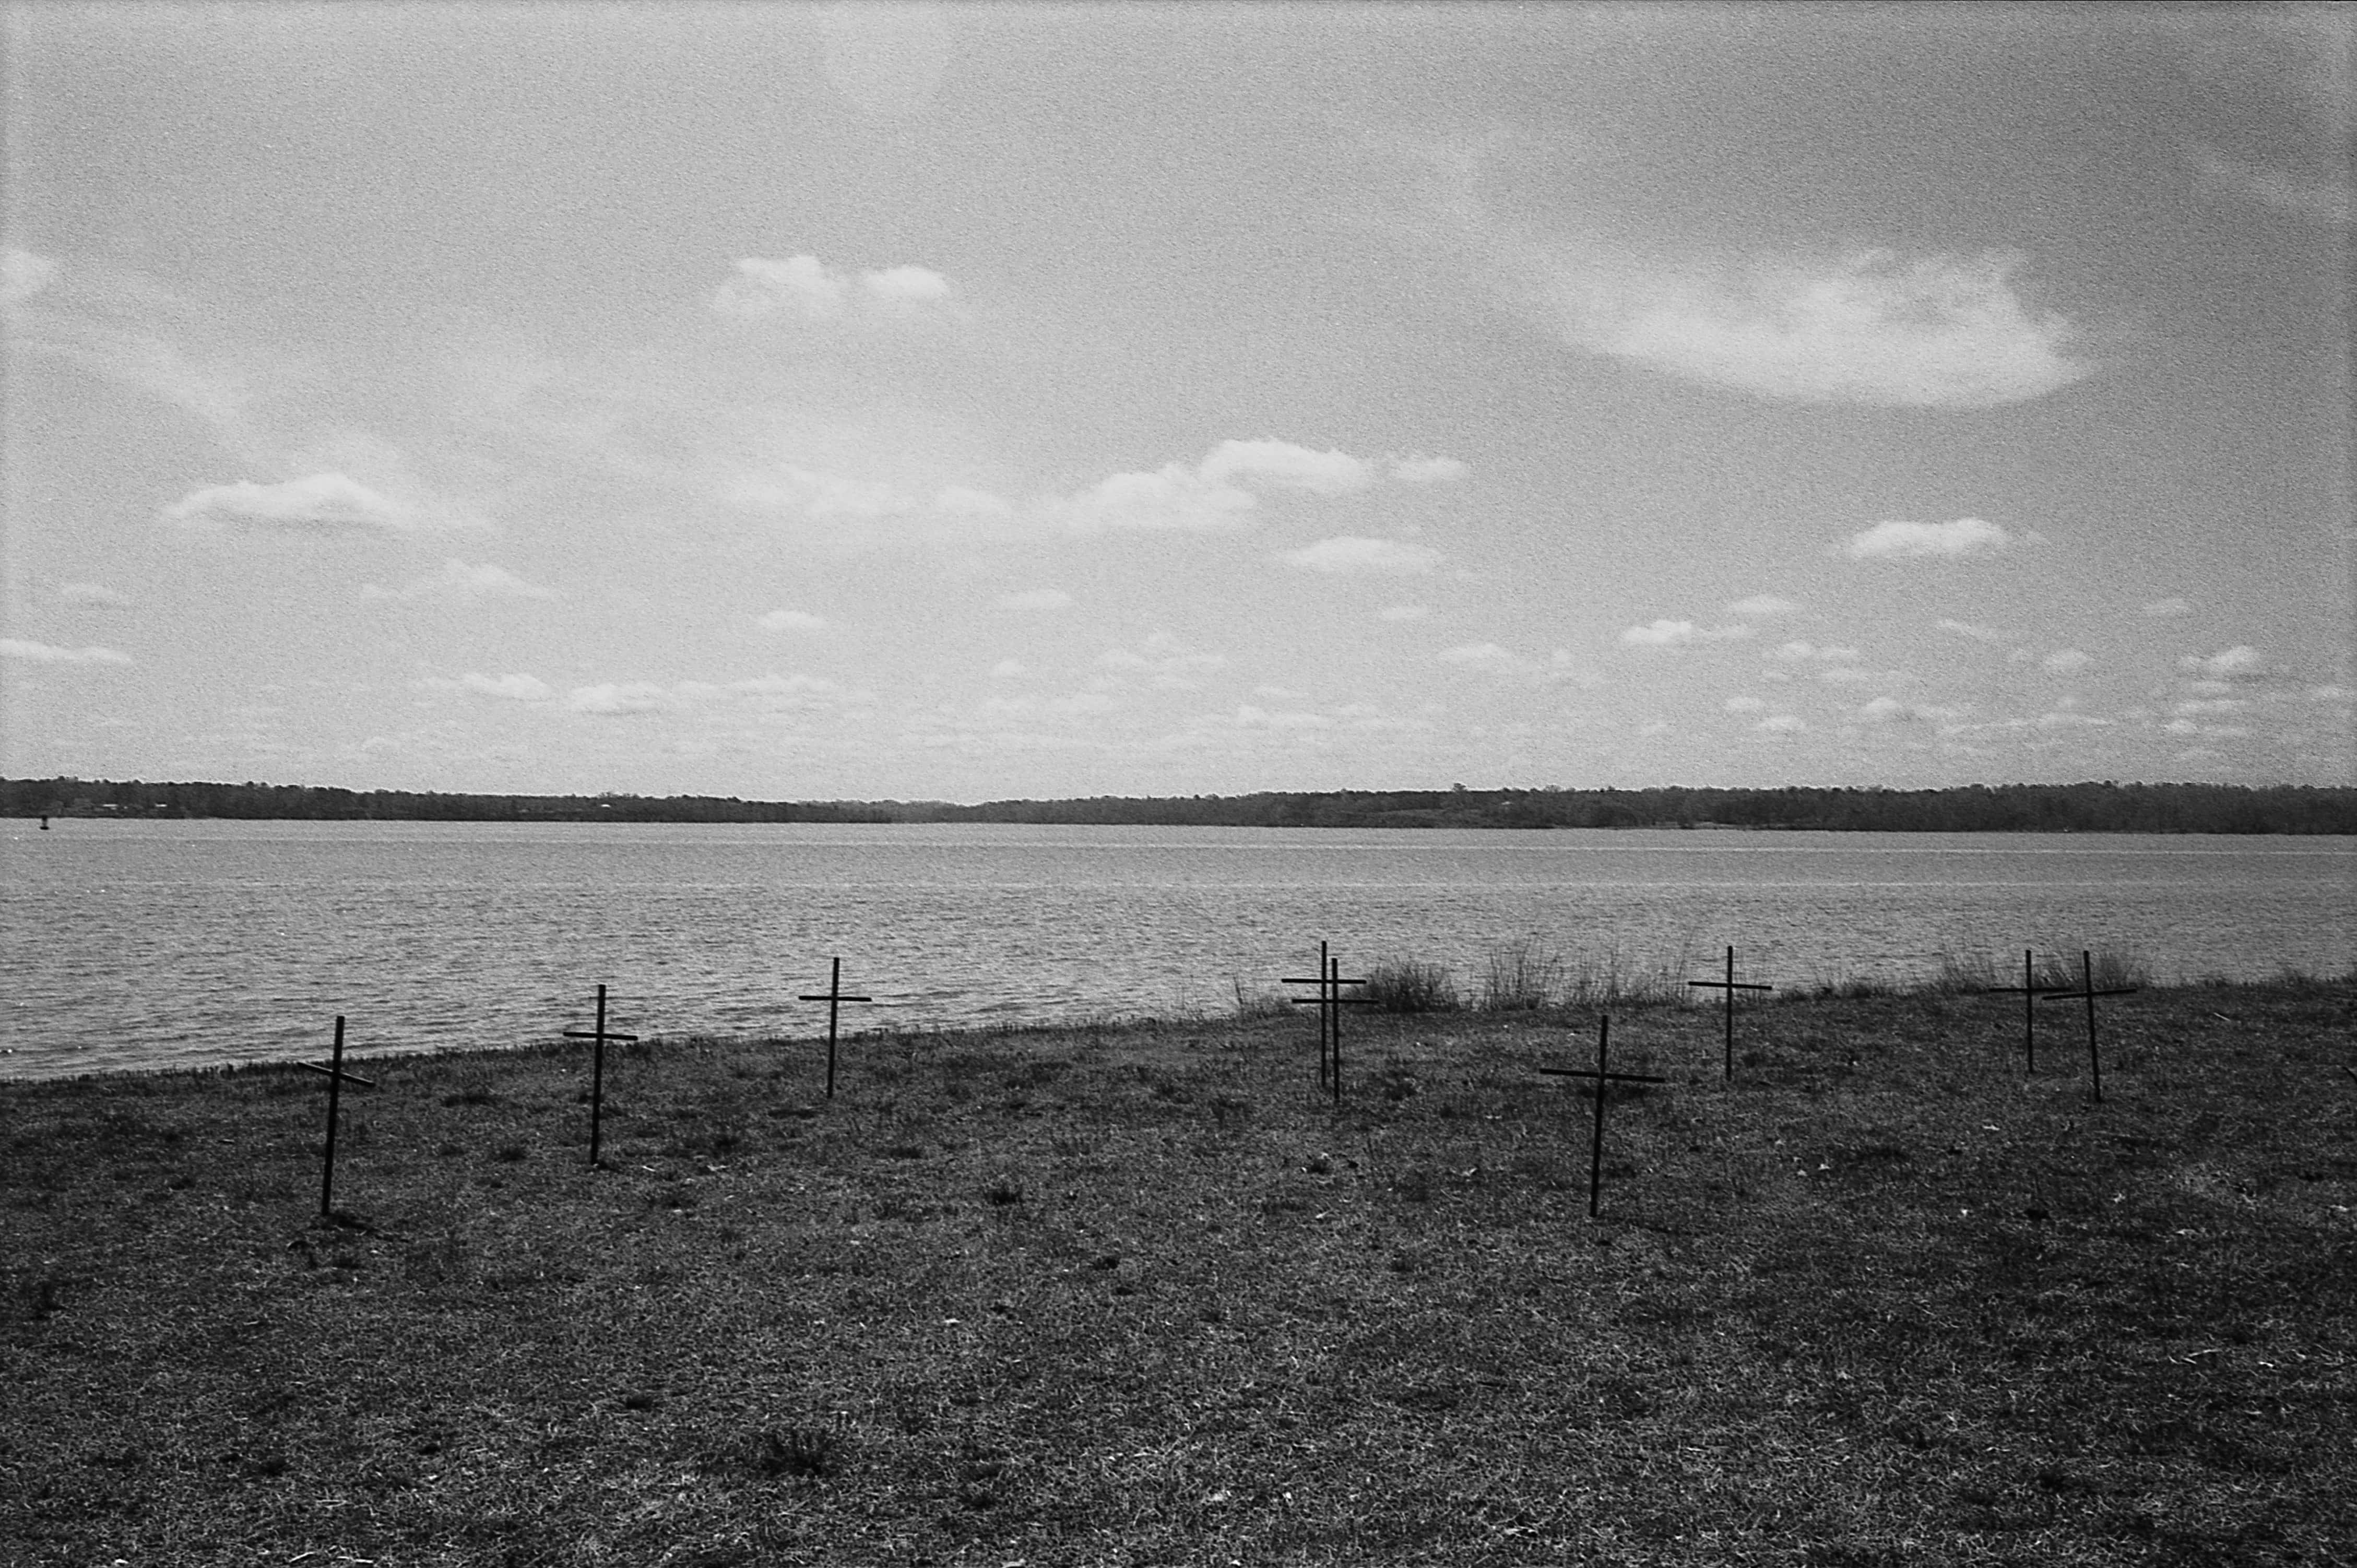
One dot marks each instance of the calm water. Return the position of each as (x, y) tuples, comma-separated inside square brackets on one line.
[(149, 944)]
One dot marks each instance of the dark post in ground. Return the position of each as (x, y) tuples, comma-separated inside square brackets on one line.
[(834, 997), (1601, 1078), (1329, 1003), (2087, 989), (2029, 990), (1730, 987), (597, 1072), (337, 1078)]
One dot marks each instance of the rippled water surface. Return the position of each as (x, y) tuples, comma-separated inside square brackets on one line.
[(149, 944)]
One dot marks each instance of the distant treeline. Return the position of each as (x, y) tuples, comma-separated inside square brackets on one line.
[(2005, 808), (98, 797)]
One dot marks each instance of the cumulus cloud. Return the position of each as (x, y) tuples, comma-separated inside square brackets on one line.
[(1915, 541), (1761, 606), (2323, 199), (318, 503), (90, 593), (1009, 670), (2240, 662), (511, 688), (25, 652), (1679, 634), (792, 620), (618, 697), (1872, 327), (1745, 706), (24, 274), (1351, 552), (805, 288), (1167, 661), (1283, 463), (1890, 710), (1801, 649), (458, 581), (1427, 470), (2065, 662), (1035, 599), (1781, 724)]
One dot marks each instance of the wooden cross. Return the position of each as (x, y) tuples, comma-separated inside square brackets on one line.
[(1601, 1078), (337, 1078), (2087, 989), (597, 1073), (2028, 989), (1730, 987), (1329, 1003), (834, 997)]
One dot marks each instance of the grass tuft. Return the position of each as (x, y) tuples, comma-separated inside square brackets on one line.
[(1411, 985)]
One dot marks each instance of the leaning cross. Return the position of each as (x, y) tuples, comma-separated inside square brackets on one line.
[(1329, 1003), (1601, 1078), (337, 1078), (833, 996), (1730, 987), (2087, 989), (597, 1072)]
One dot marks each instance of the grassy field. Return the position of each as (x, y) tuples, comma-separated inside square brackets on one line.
[(1140, 1295)]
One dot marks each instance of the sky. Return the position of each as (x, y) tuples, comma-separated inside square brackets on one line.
[(964, 402)]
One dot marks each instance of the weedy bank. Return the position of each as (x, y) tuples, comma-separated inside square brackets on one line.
[(1144, 1295)]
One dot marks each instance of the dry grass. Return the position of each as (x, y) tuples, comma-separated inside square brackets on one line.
[(1133, 1295)]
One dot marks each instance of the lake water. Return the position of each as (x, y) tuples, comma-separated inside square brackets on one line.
[(186, 943)]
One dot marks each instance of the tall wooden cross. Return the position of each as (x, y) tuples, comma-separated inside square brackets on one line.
[(2029, 990), (597, 1072), (337, 1078), (835, 998), (1329, 1003), (1601, 1078), (2087, 989), (1730, 987)]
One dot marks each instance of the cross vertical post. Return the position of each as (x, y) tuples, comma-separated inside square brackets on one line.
[(337, 1077), (2087, 989), (597, 1072), (1329, 1003), (2028, 989), (1601, 1078), (1730, 987), (834, 997)]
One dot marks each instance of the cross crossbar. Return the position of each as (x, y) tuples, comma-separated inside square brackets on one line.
[(335, 1072), (835, 996), (2066, 995)]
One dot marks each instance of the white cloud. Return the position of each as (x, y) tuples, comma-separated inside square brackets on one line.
[(1890, 710), (1174, 497), (456, 580), (90, 593), (1486, 657), (1762, 606), (1404, 612), (2164, 609), (618, 697), (1977, 633), (2066, 661), (1910, 540), (1009, 670), (1845, 676), (2325, 200), (24, 274), (1745, 706), (1679, 633), (28, 652), (1869, 327), (1427, 470), (1168, 662), (514, 688), (1035, 599), (1351, 552), (792, 620), (1800, 649), (328, 502), (1251, 716), (1781, 724), (2240, 662), (1283, 463), (805, 288)]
